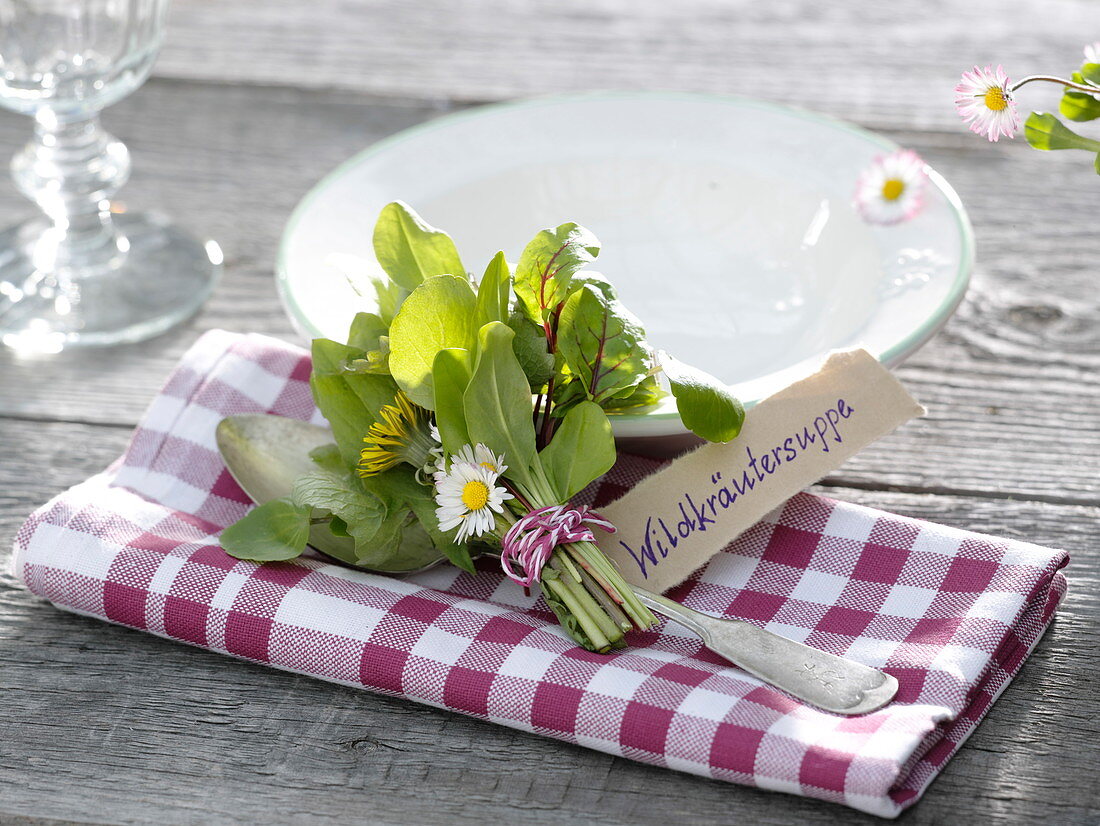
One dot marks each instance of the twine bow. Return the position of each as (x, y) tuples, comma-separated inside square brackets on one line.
[(530, 542)]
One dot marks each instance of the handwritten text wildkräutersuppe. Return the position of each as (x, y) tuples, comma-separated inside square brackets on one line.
[(661, 537)]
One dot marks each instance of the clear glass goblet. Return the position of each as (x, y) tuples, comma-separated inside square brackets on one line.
[(83, 273)]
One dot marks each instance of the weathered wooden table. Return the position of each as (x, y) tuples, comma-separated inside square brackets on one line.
[(253, 100)]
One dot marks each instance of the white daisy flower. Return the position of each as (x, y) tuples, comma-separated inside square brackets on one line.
[(892, 188), (435, 455), (1092, 52), (466, 498), (480, 456), (984, 101)]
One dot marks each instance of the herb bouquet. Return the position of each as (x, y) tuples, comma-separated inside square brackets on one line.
[(465, 417)]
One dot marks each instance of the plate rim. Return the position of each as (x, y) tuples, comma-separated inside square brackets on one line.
[(893, 355)]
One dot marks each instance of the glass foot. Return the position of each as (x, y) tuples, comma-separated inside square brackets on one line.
[(155, 277)]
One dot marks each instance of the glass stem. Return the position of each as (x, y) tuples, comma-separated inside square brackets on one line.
[(71, 169)]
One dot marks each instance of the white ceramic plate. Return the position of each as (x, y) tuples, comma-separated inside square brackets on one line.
[(727, 227)]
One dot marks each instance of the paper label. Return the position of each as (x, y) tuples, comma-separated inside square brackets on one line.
[(675, 520)]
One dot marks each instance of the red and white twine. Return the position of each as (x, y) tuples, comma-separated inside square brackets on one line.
[(529, 543)]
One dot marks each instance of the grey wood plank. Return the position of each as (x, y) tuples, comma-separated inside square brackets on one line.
[(880, 63), (1011, 385), (104, 722)]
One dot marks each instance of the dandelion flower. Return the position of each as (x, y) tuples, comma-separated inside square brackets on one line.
[(891, 190), (401, 434), (467, 497), (984, 101)]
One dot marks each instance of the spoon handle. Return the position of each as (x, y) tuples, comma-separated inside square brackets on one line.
[(829, 682)]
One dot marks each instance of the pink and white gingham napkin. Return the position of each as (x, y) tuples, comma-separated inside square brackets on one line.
[(951, 614)]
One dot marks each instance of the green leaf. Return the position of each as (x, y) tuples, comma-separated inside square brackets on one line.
[(451, 374), (457, 553), (351, 401), (376, 363), (594, 280), (603, 344), (498, 403), (327, 456), (389, 296), (276, 530), (548, 264), (1046, 132), (567, 394), (370, 334), (400, 490), (401, 544), (582, 450), (1079, 106), (530, 347), (646, 394), (439, 314), (366, 331), (398, 545), (411, 250), (1096, 163), (339, 492), (494, 291), (396, 487), (706, 406), (344, 409)]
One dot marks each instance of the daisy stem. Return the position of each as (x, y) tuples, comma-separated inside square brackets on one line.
[(1082, 87), (519, 496)]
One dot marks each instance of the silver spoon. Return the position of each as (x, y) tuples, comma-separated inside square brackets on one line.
[(266, 453)]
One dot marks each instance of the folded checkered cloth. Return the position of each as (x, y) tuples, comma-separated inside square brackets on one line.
[(951, 614)]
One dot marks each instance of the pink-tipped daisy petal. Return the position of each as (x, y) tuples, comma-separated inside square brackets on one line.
[(891, 189), (984, 101)]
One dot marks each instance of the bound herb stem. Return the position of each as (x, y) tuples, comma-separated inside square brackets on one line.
[(588, 623), (641, 616), (613, 611)]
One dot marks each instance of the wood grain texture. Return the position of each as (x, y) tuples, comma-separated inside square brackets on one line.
[(884, 64), (254, 100)]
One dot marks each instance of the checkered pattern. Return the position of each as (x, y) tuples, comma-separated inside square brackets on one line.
[(951, 614)]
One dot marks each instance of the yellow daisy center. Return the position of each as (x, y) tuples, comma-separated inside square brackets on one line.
[(995, 99), (892, 189), (475, 494)]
